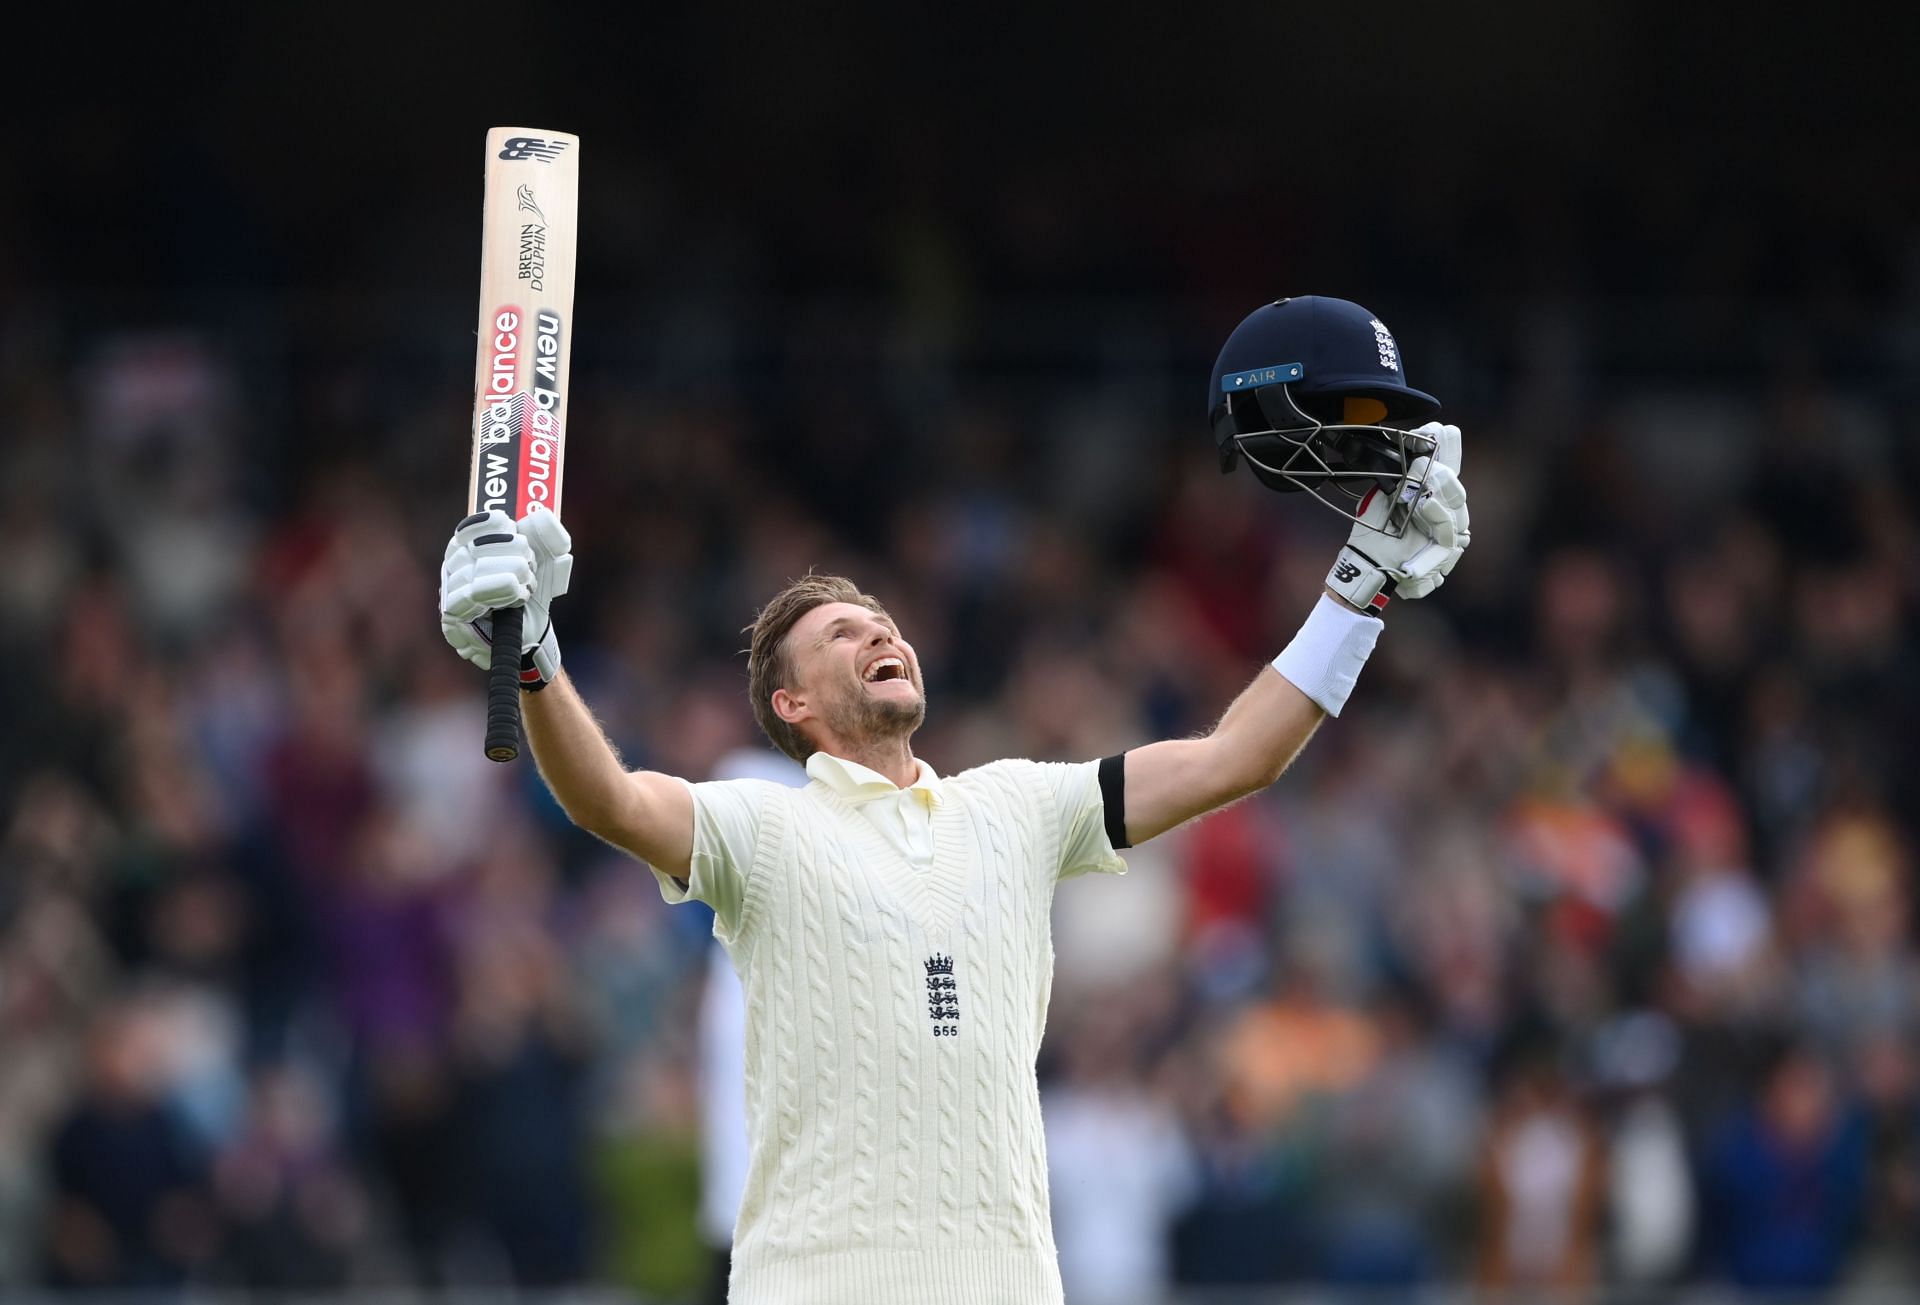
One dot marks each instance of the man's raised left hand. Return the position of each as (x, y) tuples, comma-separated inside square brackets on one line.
[(1433, 531)]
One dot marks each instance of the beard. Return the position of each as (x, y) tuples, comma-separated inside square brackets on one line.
[(864, 719)]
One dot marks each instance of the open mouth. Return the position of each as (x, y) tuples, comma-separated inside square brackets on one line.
[(885, 668)]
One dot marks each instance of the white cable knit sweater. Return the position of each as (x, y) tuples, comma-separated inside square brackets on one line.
[(893, 1017)]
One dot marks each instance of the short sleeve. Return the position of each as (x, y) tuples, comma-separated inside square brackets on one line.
[(1084, 845), (726, 831)]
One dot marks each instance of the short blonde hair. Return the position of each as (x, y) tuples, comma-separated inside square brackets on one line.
[(769, 666)]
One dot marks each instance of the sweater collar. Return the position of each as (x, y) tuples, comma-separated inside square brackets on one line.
[(857, 783)]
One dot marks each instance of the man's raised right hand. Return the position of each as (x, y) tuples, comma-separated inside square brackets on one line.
[(494, 562)]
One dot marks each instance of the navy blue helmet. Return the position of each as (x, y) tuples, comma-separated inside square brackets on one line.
[(1278, 397)]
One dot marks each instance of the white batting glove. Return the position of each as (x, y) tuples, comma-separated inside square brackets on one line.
[(1436, 532), (492, 562)]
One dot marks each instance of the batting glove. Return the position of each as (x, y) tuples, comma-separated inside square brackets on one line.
[(493, 562), (1418, 560)]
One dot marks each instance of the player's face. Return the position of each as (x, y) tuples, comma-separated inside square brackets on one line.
[(855, 673)]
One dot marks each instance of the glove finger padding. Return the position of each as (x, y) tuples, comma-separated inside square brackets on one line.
[(501, 583), (486, 566), (1447, 445), (502, 579), (1440, 514), (487, 595), (1443, 486), (473, 529), (1420, 588), (471, 639), (456, 567), (1426, 562), (542, 529), (1428, 569), (1432, 519), (552, 555), (503, 571)]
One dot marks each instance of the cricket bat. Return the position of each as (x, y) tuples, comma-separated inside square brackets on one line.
[(520, 366)]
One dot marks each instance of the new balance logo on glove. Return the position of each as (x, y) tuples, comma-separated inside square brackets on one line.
[(1345, 572)]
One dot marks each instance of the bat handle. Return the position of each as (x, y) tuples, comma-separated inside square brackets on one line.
[(503, 686)]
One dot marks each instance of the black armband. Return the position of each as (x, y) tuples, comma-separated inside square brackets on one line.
[(1113, 798)]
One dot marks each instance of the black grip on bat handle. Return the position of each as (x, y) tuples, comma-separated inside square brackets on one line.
[(503, 686)]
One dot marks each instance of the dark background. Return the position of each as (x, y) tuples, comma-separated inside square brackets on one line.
[(1437, 152)]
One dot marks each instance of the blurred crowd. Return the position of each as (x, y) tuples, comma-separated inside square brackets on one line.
[(1579, 951)]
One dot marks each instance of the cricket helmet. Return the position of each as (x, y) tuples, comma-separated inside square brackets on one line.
[(1279, 397)]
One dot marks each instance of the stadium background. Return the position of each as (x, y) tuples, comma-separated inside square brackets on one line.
[(1579, 953)]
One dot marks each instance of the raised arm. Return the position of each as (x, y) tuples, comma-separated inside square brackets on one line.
[(641, 811), (1171, 782), (491, 563), (1167, 784)]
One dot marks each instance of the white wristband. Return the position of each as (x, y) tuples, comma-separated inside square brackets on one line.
[(1325, 657)]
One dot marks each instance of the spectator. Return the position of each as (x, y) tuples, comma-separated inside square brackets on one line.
[(295, 1215), (129, 1206), (1652, 1202), (1542, 1172), (1120, 1168), (1787, 1177), (521, 1159), (1859, 979), (1399, 1155)]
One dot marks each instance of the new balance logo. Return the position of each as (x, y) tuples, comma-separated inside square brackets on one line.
[(517, 148), (1345, 572)]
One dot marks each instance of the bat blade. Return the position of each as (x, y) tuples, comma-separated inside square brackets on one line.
[(524, 343)]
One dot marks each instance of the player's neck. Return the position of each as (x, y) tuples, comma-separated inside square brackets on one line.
[(890, 757)]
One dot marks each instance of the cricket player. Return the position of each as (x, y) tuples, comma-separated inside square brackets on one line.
[(890, 924)]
